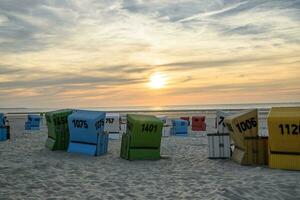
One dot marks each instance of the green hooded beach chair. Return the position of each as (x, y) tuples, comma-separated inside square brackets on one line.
[(142, 138), (58, 131)]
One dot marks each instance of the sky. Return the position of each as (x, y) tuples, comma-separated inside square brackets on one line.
[(88, 53)]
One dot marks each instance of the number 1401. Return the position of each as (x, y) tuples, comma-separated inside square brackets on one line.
[(149, 128)]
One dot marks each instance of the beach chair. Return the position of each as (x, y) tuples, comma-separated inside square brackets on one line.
[(167, 128), (249, 148), (58, 130), (4, 128), (180, 127), (123, 124), (263, 126), (186, 119), (3, 134), (2, 120), (198, 123), (142, 138), (284, 138), (112, 125), (33, 122), (219, 143), (87, 133)]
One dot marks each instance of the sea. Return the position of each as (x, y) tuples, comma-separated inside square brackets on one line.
[(160, 109)]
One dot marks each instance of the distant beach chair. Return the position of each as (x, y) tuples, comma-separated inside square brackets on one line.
[(142, 138), (284, 138), (112, 125), (123, 124), (87, 133), (263, 126), (2, 120), (4, 128), (249, 148), (33, 122), (219, 143), (198, 123), (186, 119), (58, 130), (180, 127), (167, 128)]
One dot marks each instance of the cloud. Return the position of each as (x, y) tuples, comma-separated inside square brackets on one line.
[(224, 64), (69, 79), (258, 87), (215, 12), (32, 25), (4, 70), (72, 48), (247, 30), (126, 69)]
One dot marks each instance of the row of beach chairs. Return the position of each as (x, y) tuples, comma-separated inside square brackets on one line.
[(115, 124), (237, 136)]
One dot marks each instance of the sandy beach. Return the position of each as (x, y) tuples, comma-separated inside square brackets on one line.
[(30, 171)]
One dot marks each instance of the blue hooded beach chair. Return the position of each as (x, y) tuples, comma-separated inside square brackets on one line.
[(87, 133), (33, 122), (4, 130), (180, 127)]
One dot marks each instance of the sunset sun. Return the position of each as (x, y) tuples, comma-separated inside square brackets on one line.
[(157, 80)]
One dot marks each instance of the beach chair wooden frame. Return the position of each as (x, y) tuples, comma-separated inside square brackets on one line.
[(249, 148)]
